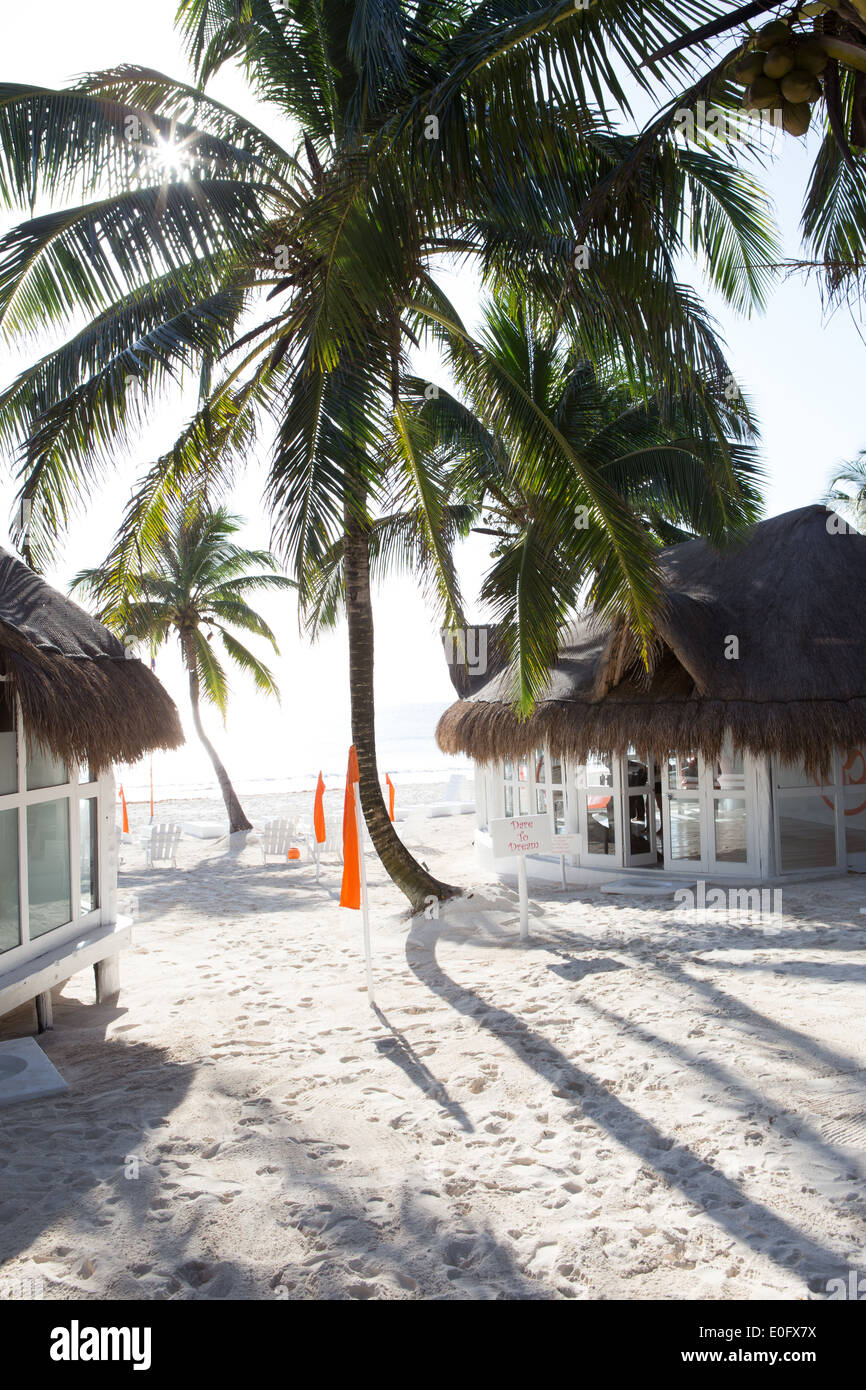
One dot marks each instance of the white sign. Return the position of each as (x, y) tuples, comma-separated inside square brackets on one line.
[(520, 835)]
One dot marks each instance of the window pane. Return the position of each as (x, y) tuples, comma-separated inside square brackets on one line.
[(855, 821), (509, 799), (507, 769), (683, 771), (556, 769), (600, 825), (9, 926), (730, 823), (523, 801), (639, 824), (685, 829), (89, 868), (540, 800), (522, 769), (853, 767), (8, 746), (638, 771), (807, 828), (599, 771), (728, 769), (539, 765), (48, 866), (43, 769), (795, 775), (559, 813)]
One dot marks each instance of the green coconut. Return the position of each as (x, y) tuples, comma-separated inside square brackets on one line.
[(810, 56), (779, 60), (763, 94), (776, 31), (747, 69), (796, 117), (800, 86)]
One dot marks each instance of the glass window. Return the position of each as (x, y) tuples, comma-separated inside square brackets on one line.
[(729, 773), (523, 800), (807, 830), (729, 814), (509, 799), (639, 810), (795, 775), (539, 765), (540, 800), (855, 821), (522, 769), (48, 880), (8, 746), (600, 825), (556, 769), (682, 772), (89, 865), (599, 771), (559, 813), (10, 933), (43, 769), (854, 767), (638, 770), (507, 769), (685, 829)]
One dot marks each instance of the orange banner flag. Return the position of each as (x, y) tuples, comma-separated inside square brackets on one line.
[(391, 794), (124, 822), (319, 812), (350, 890)]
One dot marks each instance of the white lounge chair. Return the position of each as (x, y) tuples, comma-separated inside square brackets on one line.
[(278, 837), (161, 845)]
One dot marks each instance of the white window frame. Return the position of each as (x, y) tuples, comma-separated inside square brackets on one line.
[(73, 792)]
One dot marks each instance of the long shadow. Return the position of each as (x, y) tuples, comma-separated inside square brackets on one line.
[(697, 1179), (399, 1050)]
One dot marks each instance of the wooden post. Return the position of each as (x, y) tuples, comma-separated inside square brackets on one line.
[(107, 975), (524, 896), (44, 1012)]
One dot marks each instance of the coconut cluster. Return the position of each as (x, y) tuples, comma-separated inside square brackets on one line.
[(782, 70)]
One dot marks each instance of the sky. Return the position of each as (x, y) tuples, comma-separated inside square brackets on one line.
[(802, 372)]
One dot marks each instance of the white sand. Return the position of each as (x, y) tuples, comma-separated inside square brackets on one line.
[(631, 1106)]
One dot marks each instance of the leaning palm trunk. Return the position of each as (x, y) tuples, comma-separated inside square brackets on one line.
[(237, 818), (413, 880)]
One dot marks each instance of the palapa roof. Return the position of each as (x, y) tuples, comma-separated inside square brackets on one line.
[(793, 593), (80, 695)]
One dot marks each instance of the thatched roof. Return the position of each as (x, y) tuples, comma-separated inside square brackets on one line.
[(79, 694), (793, 594)]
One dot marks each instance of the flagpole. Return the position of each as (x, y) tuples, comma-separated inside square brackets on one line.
[(365, 915)]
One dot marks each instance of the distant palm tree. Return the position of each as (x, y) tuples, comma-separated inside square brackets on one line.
[(847, 491), (196, 586)]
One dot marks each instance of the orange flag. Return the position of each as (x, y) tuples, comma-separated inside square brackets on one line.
[(124, 824), (350, 891), (390, 786), (319, 812)]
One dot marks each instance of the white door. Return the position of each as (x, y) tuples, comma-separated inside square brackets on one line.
[(709, 814), (640, 810), (684, 828)]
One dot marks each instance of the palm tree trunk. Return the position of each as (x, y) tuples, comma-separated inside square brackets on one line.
[(410, 877), (237, 818)]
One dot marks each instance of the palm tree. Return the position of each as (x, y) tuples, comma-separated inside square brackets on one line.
[(196, 587), (848, 491), (295, 281), (543, 433)]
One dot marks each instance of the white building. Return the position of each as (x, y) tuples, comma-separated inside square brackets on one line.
[(740, 755), (70, 705)]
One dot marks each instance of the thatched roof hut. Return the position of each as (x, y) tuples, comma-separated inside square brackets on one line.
[(80, 695), (793, 682)]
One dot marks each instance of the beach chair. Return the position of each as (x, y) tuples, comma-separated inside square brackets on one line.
[(278, 837), (161, 845)]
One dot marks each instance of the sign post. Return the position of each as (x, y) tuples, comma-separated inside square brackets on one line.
[(515, 837)]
